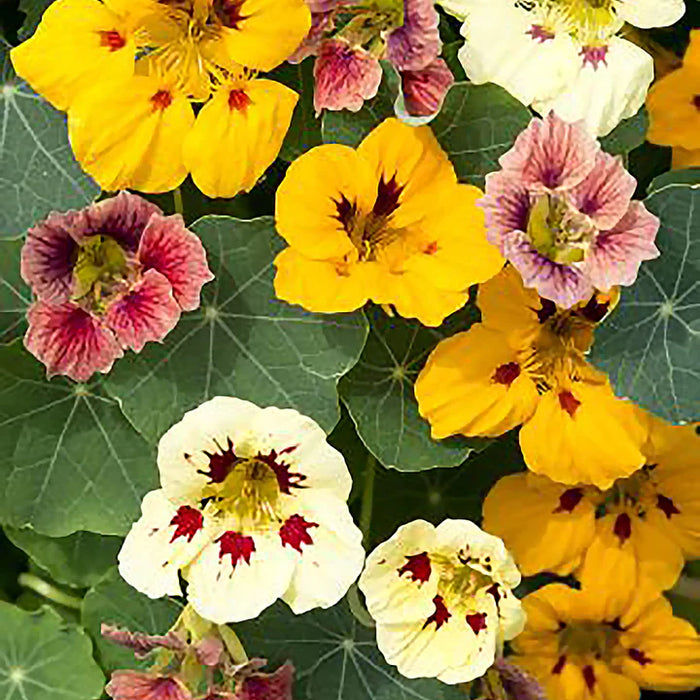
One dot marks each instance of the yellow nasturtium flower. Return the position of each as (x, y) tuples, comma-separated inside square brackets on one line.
[(128, 71), (387, 221)]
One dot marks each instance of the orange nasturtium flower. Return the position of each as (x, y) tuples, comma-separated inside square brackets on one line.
[(128, 72), (524, 365), (387, 221), (674, 108)]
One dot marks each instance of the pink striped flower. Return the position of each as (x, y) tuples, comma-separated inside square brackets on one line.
[(136, 685), (107, 278)]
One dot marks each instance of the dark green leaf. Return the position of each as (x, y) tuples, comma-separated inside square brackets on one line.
[(70, 460), (378, 392), (114, 602), (33, 9), (334, 656), (42, 658), (449, 53), (243, 342), (80, 559), (15, 297), (650, 346), (477, 125), (627, 135)]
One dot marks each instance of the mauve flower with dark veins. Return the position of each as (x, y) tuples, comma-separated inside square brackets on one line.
[(417, 42), (107, 278), (424, 90), (137, 685), (267, 686)]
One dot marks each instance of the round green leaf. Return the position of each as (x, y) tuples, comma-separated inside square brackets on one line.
[(42, 658), (70, 460), (334, 656), (378, 392), (38, 172), (476, 126), (242, 342), (14, 296), (114, 602), (627, 135), (80, 559), (650, 345)]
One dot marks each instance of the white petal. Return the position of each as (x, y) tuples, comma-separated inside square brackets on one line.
[(512, 615), (603, 97), (148, 560), (222, 593), (497, 49), (328, 567), (206, 428), (479, 660), (390, 595), (650, 13)]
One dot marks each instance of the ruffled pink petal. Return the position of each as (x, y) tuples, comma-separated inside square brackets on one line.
[(425, 89), (551, 154), (123, 218), (606, 192), (565, 285), (321, 24), (48, 255), (417, 43), (167, 246), (267, 686), (616, 255), (148, 312), (345, 76), (506, 207), (68, 340), (135, 685)]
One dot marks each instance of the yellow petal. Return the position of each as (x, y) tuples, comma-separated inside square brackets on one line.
[(674, 120), (130, 134), (237, 135), (682, 158), (268, 31), (77, 44), (583, 435), (458, 391)]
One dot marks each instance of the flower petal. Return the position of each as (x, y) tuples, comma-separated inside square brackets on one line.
[(424, 90), (417, 42), (650, 13)]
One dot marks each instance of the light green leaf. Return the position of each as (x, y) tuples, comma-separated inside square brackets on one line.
[(477, 125), (650, 345), (114, 602), (15, 297), (242, 342), (42, 658), (378, 392), (334, 656), (627, 135), (80, 559), (38, 173), (70, 460)]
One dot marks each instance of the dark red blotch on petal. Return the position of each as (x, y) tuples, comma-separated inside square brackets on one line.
[(667, 506), (286, 479), (161, 100), (696, 102), (112, 40), (388, 193), (236, 545), (507, 373), (295, 532), (417, 566), (220, 464), (559, 666), (589, 678), (639, 656), (623, 527), (441, 614), (569, 500), (568, 402), (547, 309), (188, 522), (347, 212), (477, 621), (238, 100), (230, 12)]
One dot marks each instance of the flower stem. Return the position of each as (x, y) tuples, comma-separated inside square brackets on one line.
[(46, 590), (233, 644), (367, 498), (357, 609), (177, 201)]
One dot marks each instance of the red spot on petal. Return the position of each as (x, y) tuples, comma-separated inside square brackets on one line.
[(238, 100), (568, 402), (540, 34), (559, 666), (493, 590), (547, 309), (388, 194), (696, 102), (221, 464), (665, 504), (347, 212), (112, 40), (596, 309), (506, 374), (236, 545), (417, 566), (441, 614), (230, 12), (595, 55), (295, 532), (569, 500), (188, 522), (431, 248), (161, 100), (286, 479), (589, 678), (623, 527), (639, 656), (477, 621)]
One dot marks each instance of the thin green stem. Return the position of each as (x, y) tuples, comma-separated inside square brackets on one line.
[(367, 498), (46, 590), (177, 201)]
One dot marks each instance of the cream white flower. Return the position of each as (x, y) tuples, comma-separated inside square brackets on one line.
[(563, 55), (252, 508), (442, 599)]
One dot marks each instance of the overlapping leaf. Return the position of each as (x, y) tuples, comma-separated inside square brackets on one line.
[(70, 460), (627, 135), (242, 342), (650, 346), (42, 658), (334, 656), (378, 392), (37, 170), (15, 297)]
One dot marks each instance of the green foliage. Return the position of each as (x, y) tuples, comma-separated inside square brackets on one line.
[(627, 135), (650, 346), (14, 296), (42, 658), (242, 342)]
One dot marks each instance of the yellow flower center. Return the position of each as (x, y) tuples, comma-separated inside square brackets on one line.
[(590, 22), (637, 492), (459, 581), (582, 639)]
